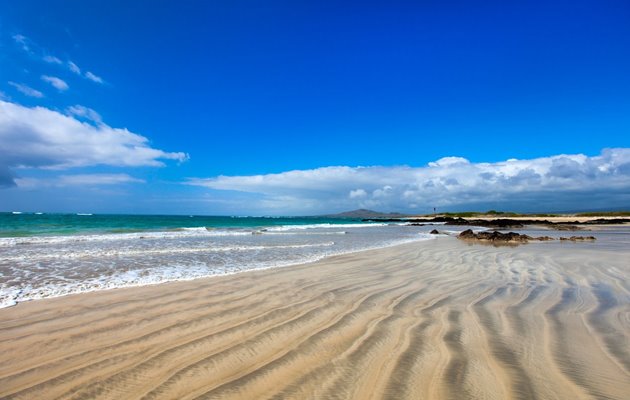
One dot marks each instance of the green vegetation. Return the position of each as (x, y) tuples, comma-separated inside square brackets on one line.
[(503, 213), (461, 214), (604, 214), (469, 214)]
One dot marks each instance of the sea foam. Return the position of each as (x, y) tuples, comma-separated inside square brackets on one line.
[(51, 266)]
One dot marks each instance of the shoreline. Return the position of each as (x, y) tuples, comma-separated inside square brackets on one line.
[(504, 221), (598, 227), (433, 319), (13, 303), (563, 219)]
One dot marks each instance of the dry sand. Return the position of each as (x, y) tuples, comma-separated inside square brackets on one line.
[(433, 320)]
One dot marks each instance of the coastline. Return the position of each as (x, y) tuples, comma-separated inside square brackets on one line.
[(562, 219), (6, 302), (433, 319)]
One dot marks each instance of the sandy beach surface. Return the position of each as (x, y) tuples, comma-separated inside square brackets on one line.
[(439, 319)]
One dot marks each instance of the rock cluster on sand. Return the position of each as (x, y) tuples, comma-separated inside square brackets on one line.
[(495, 236), (494, 223), (578, 238), (503, 222), (567, 227), (512, 237)]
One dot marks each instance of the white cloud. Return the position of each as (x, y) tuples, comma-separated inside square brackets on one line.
[(52, 60), (357, 194), (42, 138), (561, 181), (74, 68), (77, 180), (93, 77), (58, 83), (84, 112), (26, 90), (37, 52), (23, 42), (383, 192), (449, 161)]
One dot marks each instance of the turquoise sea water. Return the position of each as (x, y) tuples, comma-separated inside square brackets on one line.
[(48, 255), (32, 224)]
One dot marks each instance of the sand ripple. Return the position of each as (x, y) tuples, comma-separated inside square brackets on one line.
[(433, 320)]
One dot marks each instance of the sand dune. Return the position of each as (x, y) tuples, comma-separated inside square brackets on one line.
[(434, 320)]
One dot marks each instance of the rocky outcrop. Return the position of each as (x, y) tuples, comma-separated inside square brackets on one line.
[(495, 236), (503, 223), (566, 227), (513, 237), (494, 223), (604, 221), (579, 238), (434, 232)]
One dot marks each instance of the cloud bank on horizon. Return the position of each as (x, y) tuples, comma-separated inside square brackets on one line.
[(559, 182)]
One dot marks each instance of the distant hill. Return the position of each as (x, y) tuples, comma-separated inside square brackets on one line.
[(362, 213)]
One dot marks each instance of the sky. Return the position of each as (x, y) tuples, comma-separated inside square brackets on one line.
[(314, 107)]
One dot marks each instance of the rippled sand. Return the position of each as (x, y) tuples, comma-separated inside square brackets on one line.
[(432, 320)]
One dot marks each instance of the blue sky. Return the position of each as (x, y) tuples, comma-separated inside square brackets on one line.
[(251, 107)]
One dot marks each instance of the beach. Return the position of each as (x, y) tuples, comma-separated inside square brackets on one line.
[(436, 319), (232, 200)]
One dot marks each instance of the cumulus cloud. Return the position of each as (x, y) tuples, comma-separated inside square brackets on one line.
[(541, 183), (57, 83), (93, 78), (449, 161), (42, 138), (77, 180), (26, 90), (357, 194), (84, 113)]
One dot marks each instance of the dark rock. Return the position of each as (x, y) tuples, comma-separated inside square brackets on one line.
[(495, 236), (604, 221), (412, 221), (566, 227), (494, 223), (467, 234), (499, 222), (579, 238), (384, 219), (434, 232), (544, 238)]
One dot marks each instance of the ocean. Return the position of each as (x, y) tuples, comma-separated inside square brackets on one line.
[(49, 255)]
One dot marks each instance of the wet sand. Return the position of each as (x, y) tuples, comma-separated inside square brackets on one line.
[(440, 319)]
